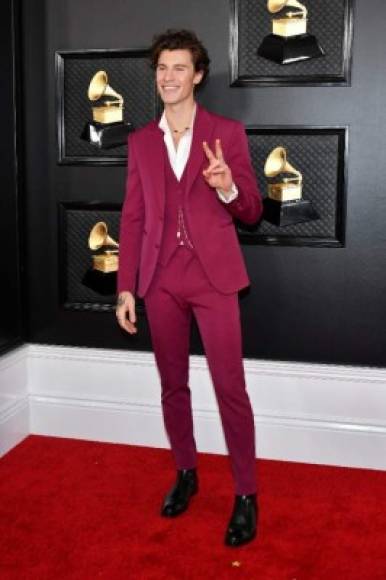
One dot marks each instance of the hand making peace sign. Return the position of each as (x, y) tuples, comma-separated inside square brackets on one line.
[(218, 175)]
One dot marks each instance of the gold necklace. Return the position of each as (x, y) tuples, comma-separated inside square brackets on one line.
[(180, 131), (177, 131)]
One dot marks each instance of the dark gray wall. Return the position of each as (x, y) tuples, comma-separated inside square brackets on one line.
[(10, 303), (305, 304)]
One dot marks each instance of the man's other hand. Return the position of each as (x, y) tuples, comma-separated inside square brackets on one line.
[(125, 312)]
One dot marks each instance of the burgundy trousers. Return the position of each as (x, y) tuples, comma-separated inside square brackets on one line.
[(179, 290)]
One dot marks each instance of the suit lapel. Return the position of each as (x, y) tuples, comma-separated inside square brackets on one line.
[(202, 131), (156, 163)]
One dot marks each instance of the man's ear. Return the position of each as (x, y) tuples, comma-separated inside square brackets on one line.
[(198, 77)]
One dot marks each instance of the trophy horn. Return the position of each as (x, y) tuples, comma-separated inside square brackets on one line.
[(275, 6), (276, 163), (99, 86), (99, 237)]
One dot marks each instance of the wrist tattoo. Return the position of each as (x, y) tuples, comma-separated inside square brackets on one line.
[(120, 300)]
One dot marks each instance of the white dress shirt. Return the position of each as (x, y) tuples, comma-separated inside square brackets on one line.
[(179, 156)]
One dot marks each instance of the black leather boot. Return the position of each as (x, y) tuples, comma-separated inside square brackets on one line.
[(177, 500), (243, 523)]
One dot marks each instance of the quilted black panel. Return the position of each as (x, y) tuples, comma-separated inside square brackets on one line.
[(130, 75), (319, 156), (326, 20), (83, 287)]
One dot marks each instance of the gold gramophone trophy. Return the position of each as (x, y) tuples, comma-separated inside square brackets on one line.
[(106, 260), (107, 128), (289, 41), (285, 205)]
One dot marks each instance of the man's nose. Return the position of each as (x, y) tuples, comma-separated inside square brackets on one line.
[(169, 75)]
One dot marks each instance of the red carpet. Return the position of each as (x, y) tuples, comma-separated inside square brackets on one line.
[(85, 510)]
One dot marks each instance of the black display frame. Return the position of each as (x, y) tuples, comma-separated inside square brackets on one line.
[(341, 79), (63, 158), (250, 234), (93, 306)]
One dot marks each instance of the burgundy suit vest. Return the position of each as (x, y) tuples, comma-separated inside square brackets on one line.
[(175, 230)]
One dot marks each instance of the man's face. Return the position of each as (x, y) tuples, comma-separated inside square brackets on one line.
[(175, 76)]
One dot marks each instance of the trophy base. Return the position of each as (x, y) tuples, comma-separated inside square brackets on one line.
[(286, 50), (102, 283), (285, 213), (106, 135)]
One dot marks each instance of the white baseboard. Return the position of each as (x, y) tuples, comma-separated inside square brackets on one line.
[(14, 405), (303, 412)]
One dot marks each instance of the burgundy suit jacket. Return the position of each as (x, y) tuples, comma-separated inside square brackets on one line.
[(210, 221)]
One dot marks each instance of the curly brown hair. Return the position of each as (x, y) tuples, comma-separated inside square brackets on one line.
[(173, 39)]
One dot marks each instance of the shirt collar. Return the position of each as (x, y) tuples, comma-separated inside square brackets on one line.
[(163, 124)]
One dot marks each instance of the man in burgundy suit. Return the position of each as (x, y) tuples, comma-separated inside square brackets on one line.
[(189, 175)]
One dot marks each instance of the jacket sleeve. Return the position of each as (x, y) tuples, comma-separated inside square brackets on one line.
[(248, 205), (131, 224)]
